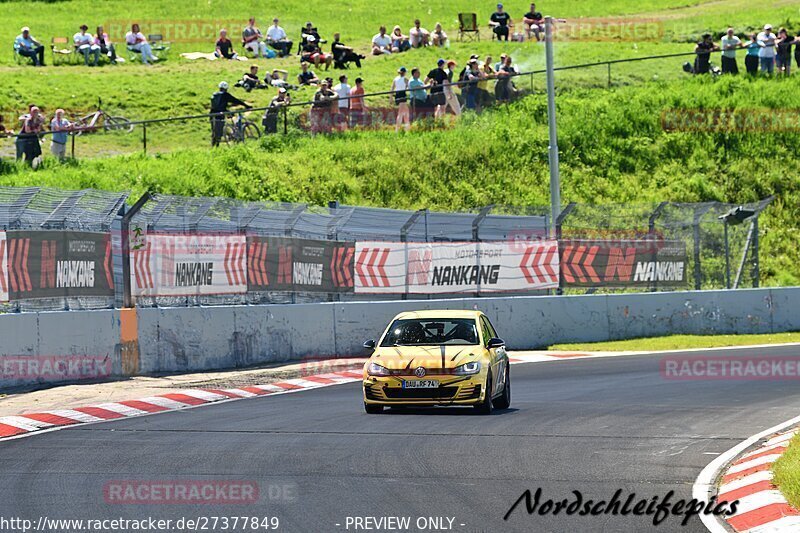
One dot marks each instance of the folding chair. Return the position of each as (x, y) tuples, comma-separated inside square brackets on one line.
[(159, 46), (63, 50), (468, 27)]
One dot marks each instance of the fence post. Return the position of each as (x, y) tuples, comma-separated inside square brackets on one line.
[(285, 120), (559, 221), (756, 268), (127, 299), (651, 230), (698, 214), (72, 143), (727, 258), (609, 73), (404, 239), (476, 227), (748, 242), (144, 138)]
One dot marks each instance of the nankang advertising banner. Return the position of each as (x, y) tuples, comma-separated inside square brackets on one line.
[(189, 265), (301, 265), (622, 263), (55, 264), (448, 268)]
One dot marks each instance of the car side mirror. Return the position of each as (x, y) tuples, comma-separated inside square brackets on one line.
[(369, 345), (496, 343)]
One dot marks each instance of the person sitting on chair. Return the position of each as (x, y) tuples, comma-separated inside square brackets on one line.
[(106, 46), (84, 44), (27, 46), (313, 54), (225, 46), (501, 22), (344, 54), (251, 40), (534, 23), (137, 43), (277, 39)]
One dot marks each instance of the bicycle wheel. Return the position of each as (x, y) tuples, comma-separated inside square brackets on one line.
[(228, 134), (77, 124), (251, 132), (118, 124)]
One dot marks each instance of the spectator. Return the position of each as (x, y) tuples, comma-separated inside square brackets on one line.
[(420, 104), (488, 72), (419, 37), (106, 46), (382, 43), (250, 80), (313, 54), (252, 40), (703, 49), (270, 120), (321, 108), (308, 31), (472, 76), (751, 59), (306, 76), (277, 39), (224, 47), (784, 55), (766, 55), (220, 101), (499, 64), (449, 92), (27, 46), (3, 131), (84, 44), (358, 109), (136, 42), (279, 78), (29, 136), (58, 140), (400, 42), (730, 42), (504, 89), (439, 36), (501, 22), (400, 89), (533, 21), (342, 90), (436, 78), (342, 55)]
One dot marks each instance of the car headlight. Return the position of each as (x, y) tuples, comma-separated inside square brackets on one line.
[(375, 369), (467, 369)]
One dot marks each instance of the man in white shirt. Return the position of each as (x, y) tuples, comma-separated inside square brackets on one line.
[(251, 40), (342, 91), (277, 39), (381, 43), (730, 42), (84, 42), (419, 36), (766, 40)]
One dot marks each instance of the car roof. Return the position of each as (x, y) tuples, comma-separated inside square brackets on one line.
[(440, 313)]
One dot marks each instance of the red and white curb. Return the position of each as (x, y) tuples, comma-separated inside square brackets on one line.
[(747, 477), (22, 425)]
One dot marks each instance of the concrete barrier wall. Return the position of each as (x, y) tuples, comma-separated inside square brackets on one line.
[(191, 339)]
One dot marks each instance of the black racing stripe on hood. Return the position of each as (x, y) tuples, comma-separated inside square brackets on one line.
[(456, 355)]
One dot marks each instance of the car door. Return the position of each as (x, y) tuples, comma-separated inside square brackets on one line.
[(498, 355)]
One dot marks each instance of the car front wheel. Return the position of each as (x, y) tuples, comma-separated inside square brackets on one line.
[(485, 407), (504, 401)]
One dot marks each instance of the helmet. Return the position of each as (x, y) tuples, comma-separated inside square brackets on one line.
[(223, 85)]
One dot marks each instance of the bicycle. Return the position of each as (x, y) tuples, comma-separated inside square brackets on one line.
[(89, 122), (239, 129)]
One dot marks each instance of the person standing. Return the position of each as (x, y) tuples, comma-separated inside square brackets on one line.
[(703, 49), (751, 59), (220, 101), (420, 107), (280, 101), (342, 90), (730, 42), (766, 56), (783, 57), (59, 127), (358, 109), (436, 79), (449, 92), (321, 109), (29, 136), (473, 76), (400, 90)]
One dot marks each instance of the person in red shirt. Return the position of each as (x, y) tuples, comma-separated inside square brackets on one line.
[(358, 109)]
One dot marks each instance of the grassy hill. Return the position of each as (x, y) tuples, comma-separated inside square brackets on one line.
[(613, 146)]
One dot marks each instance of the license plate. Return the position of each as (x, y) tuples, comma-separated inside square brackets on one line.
[(421, 384)]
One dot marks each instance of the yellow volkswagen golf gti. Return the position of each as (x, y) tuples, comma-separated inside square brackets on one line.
[(427, 358)]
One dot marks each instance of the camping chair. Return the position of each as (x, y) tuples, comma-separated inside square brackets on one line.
[(63, 50), (159, 46), (468, 27), (19, 58)]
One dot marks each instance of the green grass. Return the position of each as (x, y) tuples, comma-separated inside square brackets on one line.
[(786, 472), (683, 342)]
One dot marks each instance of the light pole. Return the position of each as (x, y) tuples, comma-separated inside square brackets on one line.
[(555, 179)]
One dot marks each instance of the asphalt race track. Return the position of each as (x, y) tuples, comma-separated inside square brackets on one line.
[(591, 425)]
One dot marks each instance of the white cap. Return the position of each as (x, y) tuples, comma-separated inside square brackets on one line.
[(767, 26), (24, 29), (223, 85), (311, 38)]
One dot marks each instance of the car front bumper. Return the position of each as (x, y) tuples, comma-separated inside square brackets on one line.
[(452, 390)]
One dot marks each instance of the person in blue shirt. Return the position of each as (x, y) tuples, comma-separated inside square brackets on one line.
[(419, 96), (59, 127), (27, 46)]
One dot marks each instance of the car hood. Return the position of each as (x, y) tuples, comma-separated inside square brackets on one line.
[(429, 357)]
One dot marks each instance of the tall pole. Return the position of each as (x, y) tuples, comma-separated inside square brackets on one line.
[(555, 180)]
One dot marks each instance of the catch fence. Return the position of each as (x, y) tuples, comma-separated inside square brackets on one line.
[(91, 249)]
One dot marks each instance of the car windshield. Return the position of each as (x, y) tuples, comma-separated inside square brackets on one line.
[(426, 332)]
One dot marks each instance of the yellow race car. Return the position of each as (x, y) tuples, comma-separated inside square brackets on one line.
[(427, 358)]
